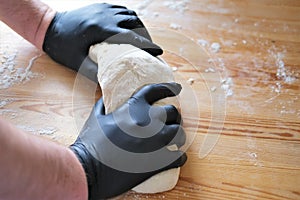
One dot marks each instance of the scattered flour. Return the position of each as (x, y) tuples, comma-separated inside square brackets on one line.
[(203, 42), (277, 87), (218, 64), (174, 69), (190, 81), (47, 131), (210, 70), (10, 74), (175, 26), (282, 72), (144, 4), (41, 131), (178, 5), (210, 60), (226, 85), (155, 14), (4, 102), (215, 47), (253, 155), (141, 8), (213, 89), (181, 51), (26, 128)]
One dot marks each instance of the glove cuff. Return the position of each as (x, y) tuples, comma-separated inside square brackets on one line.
[(84, 158), (54, 45), (50, 33)]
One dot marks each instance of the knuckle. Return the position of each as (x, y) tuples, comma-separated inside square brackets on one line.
[(148, 88), (175, 128), (173, 109), (180, 137), (132, 12)]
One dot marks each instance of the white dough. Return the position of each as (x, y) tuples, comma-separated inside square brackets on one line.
[(122, 70)]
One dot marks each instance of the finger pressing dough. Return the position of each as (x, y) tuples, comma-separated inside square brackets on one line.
[(122, 70)]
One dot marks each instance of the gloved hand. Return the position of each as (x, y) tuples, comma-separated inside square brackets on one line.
[(124, 148), (71, 33)]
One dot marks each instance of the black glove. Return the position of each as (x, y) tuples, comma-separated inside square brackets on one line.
[(70, 34), (124, 148)]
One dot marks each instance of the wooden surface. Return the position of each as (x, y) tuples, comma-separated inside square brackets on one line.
[(241, 114)]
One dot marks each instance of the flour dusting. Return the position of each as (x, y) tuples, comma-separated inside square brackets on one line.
[(40, 131), (141, 8), (226, 85), (4, 102), (10, 73), (47, 131), (178, 5), (203, 42), (215, 47), (175, 26), (210, 70), (282, 73)]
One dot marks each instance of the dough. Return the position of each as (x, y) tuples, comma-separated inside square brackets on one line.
[(122, 70)]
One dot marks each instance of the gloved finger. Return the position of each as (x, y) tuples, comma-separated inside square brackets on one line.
[(173, 116), (178, 158), (129, 22), (89, 69), (180, 161), (116, 6), (154, 92), (166, 159), (127, 12), (99, 107), (143, 32), (120, 11), (173, 134), (136, 25), (127, 36), (106, 5)]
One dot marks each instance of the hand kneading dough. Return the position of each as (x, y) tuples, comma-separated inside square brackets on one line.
[(122, 70)]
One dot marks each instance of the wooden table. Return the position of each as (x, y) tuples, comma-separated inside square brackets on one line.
[(241, 108)]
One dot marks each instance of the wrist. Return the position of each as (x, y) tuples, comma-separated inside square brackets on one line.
[(82, 189), (30, 19), (42, 28), (88, 165)]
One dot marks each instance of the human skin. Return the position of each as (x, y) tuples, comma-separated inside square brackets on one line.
[(32, 167), (29, 18)]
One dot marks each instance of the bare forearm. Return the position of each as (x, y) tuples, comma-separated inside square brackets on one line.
[(34, 168), (29, 18)]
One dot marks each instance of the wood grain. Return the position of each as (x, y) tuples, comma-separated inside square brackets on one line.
[(256, 127)]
